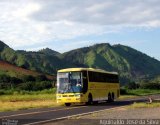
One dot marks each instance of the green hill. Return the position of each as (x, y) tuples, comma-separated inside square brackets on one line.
[(45, 61), (48, 51), (18, 72), (130, 63)]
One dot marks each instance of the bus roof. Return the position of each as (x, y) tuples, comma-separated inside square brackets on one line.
[(86, 69)]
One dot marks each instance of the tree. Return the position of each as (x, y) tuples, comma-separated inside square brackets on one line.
[(4, 78), (132, 85), (41, 78), (150, 85), (28, 78), (15, 80)]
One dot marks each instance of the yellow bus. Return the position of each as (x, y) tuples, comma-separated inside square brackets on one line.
[(86, 85)]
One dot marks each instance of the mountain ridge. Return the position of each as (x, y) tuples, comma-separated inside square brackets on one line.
[(131, 64), (19, 72)]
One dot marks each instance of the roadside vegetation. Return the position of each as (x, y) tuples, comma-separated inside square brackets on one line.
[(132, 89), (28, 99), (26, 83), (142, 88), (138, 92), (145, 105), (133, 93), (37, 92), (22, 105), (26, 92)]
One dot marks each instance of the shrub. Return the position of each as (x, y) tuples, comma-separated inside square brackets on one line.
[(35, 86), (123, 91), (42, 85), (150, 85), (41, 78), (2, 92), (132, 85), (28, 78), (6, 92), (4, 78), (26, 86), (15, 80)]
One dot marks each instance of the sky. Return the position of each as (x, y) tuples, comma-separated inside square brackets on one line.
[(63, 25)]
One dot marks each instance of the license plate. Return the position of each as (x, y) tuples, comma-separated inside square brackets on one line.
[(68, 99)]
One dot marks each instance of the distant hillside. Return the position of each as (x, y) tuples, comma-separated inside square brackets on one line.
[(18, 72), (45, 61), (9, 55), (130, 63), (48, 51), (2, 46)]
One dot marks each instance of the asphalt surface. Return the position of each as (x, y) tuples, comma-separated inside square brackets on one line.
[(38, 116)]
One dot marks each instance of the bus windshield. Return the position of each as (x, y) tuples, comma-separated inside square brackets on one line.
[(69, 82)]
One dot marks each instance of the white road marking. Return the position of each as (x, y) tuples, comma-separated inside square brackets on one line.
[(31, 113), (67, 117)]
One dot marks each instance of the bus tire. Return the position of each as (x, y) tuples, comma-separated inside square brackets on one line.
[(90, 100), (109, 97), (113, 97), (67, 104)]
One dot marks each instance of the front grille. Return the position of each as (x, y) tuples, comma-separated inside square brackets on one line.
[(68, 95), (71, 95), (65, 95)]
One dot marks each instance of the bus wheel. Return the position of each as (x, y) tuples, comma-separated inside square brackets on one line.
[(90, 100), (109, 98), (112, 97), (67, 104)]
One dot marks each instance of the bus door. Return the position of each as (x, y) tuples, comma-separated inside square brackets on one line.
[(85, 82)]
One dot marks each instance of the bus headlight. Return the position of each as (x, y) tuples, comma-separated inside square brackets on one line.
[(78, 95), (59, 96)]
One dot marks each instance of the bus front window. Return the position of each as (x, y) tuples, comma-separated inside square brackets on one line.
[(69, 82)]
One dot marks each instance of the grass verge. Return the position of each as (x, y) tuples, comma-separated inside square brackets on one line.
[(21, 105), (27, 100), (17, 100), (143, 92), (127, 97), (139, 92), (145, 105)]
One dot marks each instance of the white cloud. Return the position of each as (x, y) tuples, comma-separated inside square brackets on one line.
[(16, 27), (103, 12), (30, 23)]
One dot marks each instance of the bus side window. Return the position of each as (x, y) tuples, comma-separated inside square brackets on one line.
[(85, 81)]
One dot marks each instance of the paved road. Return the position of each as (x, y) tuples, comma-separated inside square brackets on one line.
[(33, 116)]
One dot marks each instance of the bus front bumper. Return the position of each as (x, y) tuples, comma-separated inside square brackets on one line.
[(70, 98)]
